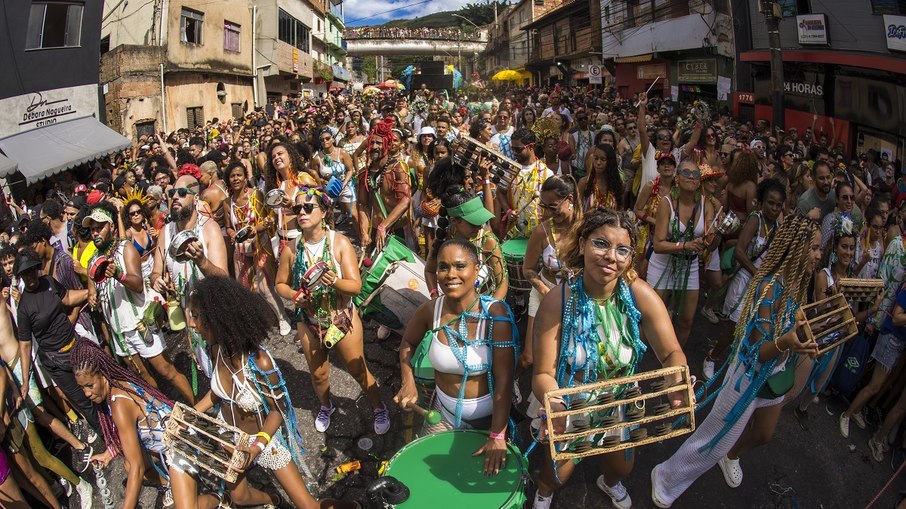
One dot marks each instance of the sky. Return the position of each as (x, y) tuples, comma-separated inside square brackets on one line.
[(375, 12)]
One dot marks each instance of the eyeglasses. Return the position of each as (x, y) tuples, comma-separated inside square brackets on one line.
[(549, 206), (181, 191), (663, 137), (724, 154), (307, 207), (621, 253), (692, 174)]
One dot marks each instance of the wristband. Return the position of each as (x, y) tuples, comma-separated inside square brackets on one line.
[(498, 436), (434, 292), (259, 445), (381, 228), (676, 247), (487, 182), (122, 278), (265, 436)]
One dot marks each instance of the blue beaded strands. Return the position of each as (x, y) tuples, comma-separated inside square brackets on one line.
[(457, 338), (267, 388)]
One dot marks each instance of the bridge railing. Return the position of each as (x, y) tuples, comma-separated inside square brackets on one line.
[(445, 34)]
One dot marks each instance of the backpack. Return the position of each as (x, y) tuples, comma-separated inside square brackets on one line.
[(848, 376)]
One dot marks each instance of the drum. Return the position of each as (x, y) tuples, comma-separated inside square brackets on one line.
[(393, 286), (440, 471), (274, 198), (98, 269), (312, 277), (180, 243), (514, 256), (334, 188)]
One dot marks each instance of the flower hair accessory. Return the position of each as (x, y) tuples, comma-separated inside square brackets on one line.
[(189, 169), (844, 225)]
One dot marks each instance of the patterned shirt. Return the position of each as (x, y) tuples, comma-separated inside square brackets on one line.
[(893, 273)]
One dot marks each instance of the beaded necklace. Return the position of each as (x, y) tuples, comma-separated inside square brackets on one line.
[(323, 299), (489, 285), (526, 190)]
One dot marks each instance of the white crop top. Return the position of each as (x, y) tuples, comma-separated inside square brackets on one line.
[(442, 357)]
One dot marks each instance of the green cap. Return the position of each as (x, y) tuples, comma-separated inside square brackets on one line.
[(472, 211)]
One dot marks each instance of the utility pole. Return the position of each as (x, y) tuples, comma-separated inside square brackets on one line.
[(772, 14)]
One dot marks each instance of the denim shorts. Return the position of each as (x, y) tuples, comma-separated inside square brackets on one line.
[(888, 350)]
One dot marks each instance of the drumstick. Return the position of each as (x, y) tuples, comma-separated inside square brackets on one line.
[(432, 417), (649, 89), (714, 220)]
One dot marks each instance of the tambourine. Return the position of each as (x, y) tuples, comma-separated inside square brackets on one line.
[(180, 244), (334, 188), (274, 198), (313, 276), (98, 269), (244, 233), (729, 224)]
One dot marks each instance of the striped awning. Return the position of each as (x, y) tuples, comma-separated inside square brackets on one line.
[(647, 57)]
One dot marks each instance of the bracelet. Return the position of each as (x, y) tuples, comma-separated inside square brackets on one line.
[(122, 278), (498, 436), (778, 347), (264, 435), (259, 445), (676, 247), (434, 292), (487, 182), (381, 228)]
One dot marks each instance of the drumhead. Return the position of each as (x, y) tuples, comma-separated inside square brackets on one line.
[(180, 243), (313, 275), (439, 470), (274, 198), (514, 249)]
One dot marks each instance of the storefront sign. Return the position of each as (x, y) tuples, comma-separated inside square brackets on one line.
[(745, 97), (41, 109), (807, 89), (594, 75), (812, 28), (895, 26), (651, 71), (701, 70)]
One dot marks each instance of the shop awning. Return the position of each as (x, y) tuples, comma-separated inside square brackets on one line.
[(647, 57), (7, 166), (46, 151)]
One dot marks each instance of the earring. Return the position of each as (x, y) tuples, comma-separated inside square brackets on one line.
[(833, 258), (570, 207), (324, 223)]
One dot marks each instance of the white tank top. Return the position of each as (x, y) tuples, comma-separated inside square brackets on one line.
[(184, 273), (122, 307)]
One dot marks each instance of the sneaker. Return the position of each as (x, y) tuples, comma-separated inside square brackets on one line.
[(542, 502), (383, 332), (801, 417), (859, 420), (83, 458), (844, 425), (878, 449), (67, 487), (285, 328), (656, 497), (617, 493), (322, 422), (708, 368), (732, 471), (709, 313), (381, 420), (85, 491)]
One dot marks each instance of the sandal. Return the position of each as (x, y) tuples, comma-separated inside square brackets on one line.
[(732, 471), (168, 498), (655, 496)]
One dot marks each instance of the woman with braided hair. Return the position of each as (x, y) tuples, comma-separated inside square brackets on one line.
[(588, 329), (132, 413), (758, 374)]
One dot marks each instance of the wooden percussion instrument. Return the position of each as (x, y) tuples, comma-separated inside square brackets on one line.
[(861, 290), (205, 441), (829, 322), (503, 170), (649, 416)]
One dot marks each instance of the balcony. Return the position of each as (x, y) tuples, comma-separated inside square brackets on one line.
[(336, 17)]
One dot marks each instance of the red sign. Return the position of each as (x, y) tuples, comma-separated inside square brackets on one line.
[(745, 97)]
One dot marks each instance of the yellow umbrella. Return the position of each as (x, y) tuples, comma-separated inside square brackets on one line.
[(507, 75)]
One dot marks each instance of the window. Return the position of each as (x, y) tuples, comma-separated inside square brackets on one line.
[(190, 26), (54, 25), (230, 36), (194, 117), (105, 44), (888, 7), (539, 3), (292, 31), (790, 8), (236, 110), (144, 128)]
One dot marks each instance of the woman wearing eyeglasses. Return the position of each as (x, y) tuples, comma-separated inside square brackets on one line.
[(588, 329), (320, 274), (647, 203), (332, 162), (681, 235)]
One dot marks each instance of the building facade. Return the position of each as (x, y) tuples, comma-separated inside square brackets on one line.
[(844, 68), (170, 64), (687, 46), (283, 62), (564, 41)]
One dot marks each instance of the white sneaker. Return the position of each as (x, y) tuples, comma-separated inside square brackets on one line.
[(381, 420), (85, 491), (708, 368), (859, 420), (542, 502), (844, 425), (67, 487), (732, 471), (710, 315), (617, 493), (322, 422), (383, 332), (285, 328)]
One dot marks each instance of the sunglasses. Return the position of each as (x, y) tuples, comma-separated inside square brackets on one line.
[(724, 154), (663, 137), (135, 213), (326, 138), (692, 174), (181, 191), (622, 253), (307, 207), (550, 206)]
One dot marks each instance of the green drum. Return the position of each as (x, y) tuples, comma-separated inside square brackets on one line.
[(514, 256), (441, 473)]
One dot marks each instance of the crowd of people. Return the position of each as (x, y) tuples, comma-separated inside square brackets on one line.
[(221, 234), (392, 32)]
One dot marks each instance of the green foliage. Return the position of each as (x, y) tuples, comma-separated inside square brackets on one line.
[(479, 13)]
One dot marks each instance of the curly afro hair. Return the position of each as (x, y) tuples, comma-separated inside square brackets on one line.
[(236, 318)]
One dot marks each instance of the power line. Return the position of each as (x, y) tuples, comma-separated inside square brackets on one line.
[(388, 12)]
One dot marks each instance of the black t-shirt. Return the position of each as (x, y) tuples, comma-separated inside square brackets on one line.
[(42, 315)]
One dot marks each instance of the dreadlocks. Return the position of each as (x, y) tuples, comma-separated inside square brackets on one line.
[(384, 130), (87, 359)]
